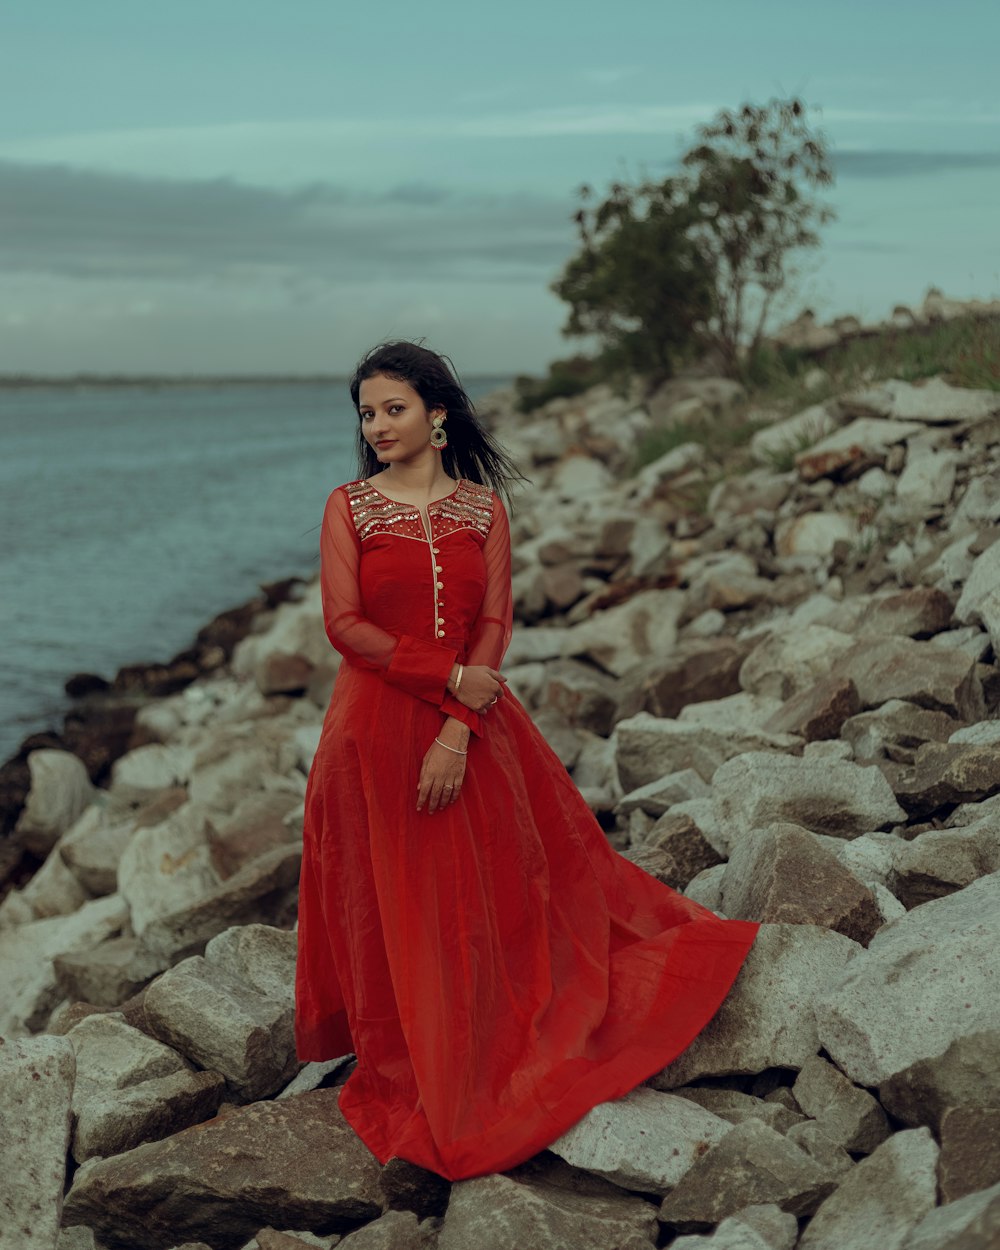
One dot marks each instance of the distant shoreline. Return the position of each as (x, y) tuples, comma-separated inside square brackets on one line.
[(82, 381)]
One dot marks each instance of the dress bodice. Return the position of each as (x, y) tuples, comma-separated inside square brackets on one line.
[(422, 570)]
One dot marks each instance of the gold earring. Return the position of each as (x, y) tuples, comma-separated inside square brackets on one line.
[(439, 438)]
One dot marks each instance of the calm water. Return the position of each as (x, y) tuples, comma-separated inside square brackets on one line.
[(130, 516)]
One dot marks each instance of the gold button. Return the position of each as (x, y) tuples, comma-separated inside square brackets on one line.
[(440, 585), (440, 620), (437, 568), (440, 633), (436, 550)]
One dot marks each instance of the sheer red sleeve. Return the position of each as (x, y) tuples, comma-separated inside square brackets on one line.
[(495, 622), (413, 664)]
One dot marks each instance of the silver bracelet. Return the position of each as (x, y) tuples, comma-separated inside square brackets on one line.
[(448, 748)]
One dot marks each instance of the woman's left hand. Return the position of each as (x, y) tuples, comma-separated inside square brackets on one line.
[(441, 776)]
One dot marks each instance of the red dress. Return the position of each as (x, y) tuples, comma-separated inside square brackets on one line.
[(497, 968)]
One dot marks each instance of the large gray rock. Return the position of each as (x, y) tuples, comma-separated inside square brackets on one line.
[(932, 402), (847, 1115), (131, 1088), (752, 1164), (982, 581), (288, 1163), (36, 1089), (925, 980), (783, 663), (901, 668), (497, 1212), (759, 1226), (768, 1018), (831, 796), (970, 1151), (945, 774), (941, 861), (970, 1223), (965, 1074), (60, 790), (784, 874), (649, 747), (616, 637), (645, 1140), (232, 1010), (896, 729), (880, 1201)]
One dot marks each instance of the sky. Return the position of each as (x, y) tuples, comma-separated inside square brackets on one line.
[(229, 186)]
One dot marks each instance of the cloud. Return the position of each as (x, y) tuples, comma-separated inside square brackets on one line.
[(89, 225), (899, 163)]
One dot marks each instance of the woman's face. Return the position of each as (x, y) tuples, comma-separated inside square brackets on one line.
[(394, 420)]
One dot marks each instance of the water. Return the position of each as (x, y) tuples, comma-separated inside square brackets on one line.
[(130, 516)]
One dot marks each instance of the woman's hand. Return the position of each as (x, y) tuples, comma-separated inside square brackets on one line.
[(481, 686), (441, 777)]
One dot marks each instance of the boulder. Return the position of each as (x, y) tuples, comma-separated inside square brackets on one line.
[(897, 729), (292, 1162), (847, 1115), (946, 773), (925, 980), (759, 1226), (965, 1074), (781, 664), (970, 1151), (502, 1213), (60, 791), (650, 746), (890, 1191), (232, 1010), (768, 1018), (829, 796), (784, 875), (36, 1090), (644, 1141), (900, 668), (941, 861), (817, 712), (695, 671), (931, 402), (970, 1223), (983, 579), (752, 1164), (131, 1088)]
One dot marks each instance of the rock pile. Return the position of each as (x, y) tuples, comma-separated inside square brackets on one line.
[(785, 706)]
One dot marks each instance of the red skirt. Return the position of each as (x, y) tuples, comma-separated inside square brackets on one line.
[(497, 968)]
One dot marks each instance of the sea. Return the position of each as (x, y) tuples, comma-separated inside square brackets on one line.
[(131, 515)]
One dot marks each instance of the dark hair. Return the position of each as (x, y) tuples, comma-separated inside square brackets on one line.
[(472, 452)]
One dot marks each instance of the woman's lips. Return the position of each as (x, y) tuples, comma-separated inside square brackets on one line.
[(386, 442)]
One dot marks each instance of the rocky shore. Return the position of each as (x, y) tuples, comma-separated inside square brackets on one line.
[(783, 701)]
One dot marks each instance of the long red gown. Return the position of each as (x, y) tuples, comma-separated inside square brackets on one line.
[(497, 968)]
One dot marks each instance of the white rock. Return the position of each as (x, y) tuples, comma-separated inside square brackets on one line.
[(646, 1140), (968, 1223), (984, 578), (932, 402), (146, 770), (928, 480), (813, 533), (831, 796), (787, 437), (60, 790), (929, 977), (767, 1019)]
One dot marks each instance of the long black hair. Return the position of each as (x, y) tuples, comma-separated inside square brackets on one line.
[(472, 452)]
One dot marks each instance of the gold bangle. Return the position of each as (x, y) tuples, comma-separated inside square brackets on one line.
[(458, 679), (448, 748)]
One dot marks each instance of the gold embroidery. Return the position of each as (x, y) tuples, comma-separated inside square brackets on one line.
[(469, 506)]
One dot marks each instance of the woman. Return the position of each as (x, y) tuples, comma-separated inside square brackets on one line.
[(465, 927)]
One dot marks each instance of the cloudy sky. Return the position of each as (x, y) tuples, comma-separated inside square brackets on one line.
[(251, 186)]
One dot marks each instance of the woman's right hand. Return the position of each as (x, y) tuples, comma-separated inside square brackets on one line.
[(480, 685)]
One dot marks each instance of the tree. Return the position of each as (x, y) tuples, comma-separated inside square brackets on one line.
[(674, 268)]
